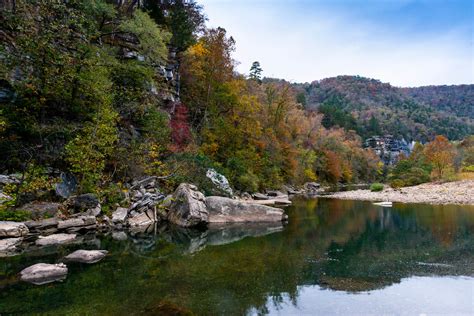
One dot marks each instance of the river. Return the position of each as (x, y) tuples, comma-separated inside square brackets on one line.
[(332, 257)]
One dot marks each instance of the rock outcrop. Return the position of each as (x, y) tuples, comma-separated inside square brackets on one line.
[(225, 210), (12, 229), (42, 273), (86, 256)]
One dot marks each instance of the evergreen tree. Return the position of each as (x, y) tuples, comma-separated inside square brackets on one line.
[(256, 72)]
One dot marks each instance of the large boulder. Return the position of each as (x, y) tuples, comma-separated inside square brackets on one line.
[(55, 239), (12, 229), (39, 210), (82, 203), (188, 207), (86, 256), (225, 210), (42, 273)]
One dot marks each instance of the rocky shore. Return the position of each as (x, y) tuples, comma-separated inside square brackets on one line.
[(458, 192)]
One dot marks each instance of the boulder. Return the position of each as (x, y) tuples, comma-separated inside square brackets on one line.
[(9, 244), (55, 239), (86, 256), (188, 207), (39, 210), (119, 215), (145, 218), (81, 203), (12, 229), (220, 181), (67, 186), (42, 273), (77, 222), (225, 210)]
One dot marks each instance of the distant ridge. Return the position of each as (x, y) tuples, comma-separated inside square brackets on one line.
[(371, 107)]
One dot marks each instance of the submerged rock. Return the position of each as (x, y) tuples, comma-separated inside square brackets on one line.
[(55, 239), (12, 229), (86, 256), (225, 210), (188, 207), (42, 273)]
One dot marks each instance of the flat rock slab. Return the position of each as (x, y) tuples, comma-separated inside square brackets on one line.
[(42, 273), (55, 239), (225, 210), (12, 229), (42, 224), (77, 222), (86, 256)]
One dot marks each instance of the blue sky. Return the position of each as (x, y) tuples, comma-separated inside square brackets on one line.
[(404, 42)]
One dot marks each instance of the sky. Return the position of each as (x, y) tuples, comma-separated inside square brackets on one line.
[(404, 42)]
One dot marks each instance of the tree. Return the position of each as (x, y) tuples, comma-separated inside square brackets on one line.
[(440, 153), (256, 72)]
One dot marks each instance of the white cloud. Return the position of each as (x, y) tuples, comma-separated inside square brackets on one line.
[(300, 45)]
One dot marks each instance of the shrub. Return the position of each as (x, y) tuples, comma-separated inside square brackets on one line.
[(397, 183), (376, 187)]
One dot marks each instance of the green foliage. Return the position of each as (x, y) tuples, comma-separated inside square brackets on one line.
[(376, 187), (152, 38), (14, 215), (88, 152)]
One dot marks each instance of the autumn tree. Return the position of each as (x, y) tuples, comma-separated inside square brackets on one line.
[(440, 153)]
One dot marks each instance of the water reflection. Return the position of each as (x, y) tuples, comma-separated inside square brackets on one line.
[(330, 251)]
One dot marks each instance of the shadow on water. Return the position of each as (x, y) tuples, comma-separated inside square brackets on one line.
[(341, 246)]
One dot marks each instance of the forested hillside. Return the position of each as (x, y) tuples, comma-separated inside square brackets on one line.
[(371, 107), (112, 91), (458, 100)]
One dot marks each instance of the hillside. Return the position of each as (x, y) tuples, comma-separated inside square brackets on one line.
[(458, 100), (369, 107)]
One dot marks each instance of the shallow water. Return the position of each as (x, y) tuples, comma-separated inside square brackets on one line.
[(333, 257)]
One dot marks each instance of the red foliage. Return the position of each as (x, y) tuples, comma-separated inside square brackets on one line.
[(180, 129)]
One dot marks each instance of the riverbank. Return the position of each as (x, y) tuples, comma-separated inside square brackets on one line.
[(458, 192)]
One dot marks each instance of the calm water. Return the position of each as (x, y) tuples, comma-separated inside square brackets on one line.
[(333, 257)]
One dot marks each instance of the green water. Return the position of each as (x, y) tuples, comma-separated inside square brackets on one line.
[(333, 257)]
